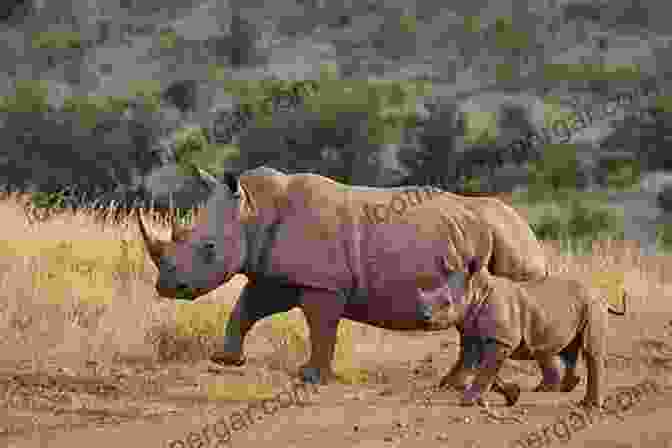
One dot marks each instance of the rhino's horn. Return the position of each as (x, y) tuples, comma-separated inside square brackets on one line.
[(154, 246), (178, 232)]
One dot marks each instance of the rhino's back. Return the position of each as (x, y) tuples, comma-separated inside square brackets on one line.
[(517, 253), (555, 309)]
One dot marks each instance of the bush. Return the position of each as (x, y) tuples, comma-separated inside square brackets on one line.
[(571, 218), (88, 108), (60, 39), (664, 236), (556, 170), (29, 96), (351, 116), (623, 174), (188, 142)]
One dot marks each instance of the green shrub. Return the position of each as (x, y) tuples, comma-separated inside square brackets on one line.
[(408, 23), (88, 107), (389, 105), (216, 158), (29, 96), (57, 39), (189, 141), (472, 24), (575, 219), (664, 236), (623, 173), (556, 170), (167, 39), (148, 92)]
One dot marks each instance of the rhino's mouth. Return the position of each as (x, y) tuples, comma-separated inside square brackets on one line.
[(185, 292)]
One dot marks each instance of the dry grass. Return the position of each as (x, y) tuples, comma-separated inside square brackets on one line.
[(74, 291)]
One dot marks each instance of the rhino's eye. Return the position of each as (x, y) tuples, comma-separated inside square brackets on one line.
[(209, 252)]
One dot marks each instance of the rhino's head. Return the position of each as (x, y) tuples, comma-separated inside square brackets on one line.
[(199, 259)]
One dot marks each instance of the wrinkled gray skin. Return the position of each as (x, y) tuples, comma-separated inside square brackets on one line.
[(192, 265)]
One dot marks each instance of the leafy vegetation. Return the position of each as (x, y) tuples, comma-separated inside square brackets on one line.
[(555, 170), (569, 216), (57, 39), (29, 96)]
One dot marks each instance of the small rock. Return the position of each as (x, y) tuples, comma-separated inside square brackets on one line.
[(385, 392)]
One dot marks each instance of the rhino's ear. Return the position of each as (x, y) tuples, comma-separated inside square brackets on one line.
[(208, 179), (231, 181), (473, 265)]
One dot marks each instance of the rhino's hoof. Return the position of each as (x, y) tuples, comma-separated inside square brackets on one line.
[(469, 402), (544, 387), (512, 394), (227, 359), (311, 375), (570, 383)]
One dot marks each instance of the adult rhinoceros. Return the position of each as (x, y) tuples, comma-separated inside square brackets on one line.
[(305, 240)]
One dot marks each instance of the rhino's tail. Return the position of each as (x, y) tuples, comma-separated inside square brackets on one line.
[(618, 310)]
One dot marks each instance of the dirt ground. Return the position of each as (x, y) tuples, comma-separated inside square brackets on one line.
[(134, 402)]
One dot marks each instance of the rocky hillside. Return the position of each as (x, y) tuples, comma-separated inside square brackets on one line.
[(183, 59)]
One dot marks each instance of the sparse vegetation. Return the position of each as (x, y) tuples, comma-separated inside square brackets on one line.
[(100, 286), (52, 39)]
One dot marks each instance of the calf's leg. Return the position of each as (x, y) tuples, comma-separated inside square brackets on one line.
[(466, 366), (551, 368), (493, 356), (570, 355), (596, 372)]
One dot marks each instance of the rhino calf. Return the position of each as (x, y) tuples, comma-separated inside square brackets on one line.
[(536, 320)]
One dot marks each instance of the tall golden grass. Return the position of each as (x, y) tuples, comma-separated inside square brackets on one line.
[(75, 289)]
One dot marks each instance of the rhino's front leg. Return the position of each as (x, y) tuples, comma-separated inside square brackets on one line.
[(257, 300), (323, 310), (493, 356)]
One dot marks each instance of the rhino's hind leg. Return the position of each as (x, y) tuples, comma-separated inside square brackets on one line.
[(570, 356), (511, 391), (257, 300), (323, 311), (595, 367)]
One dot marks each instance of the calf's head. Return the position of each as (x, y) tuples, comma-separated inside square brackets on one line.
[(200, 259), (453, 299)]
